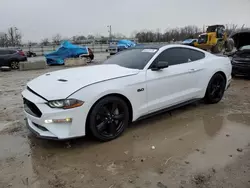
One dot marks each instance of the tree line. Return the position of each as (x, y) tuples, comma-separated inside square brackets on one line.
[(177, 34), (13, 36)]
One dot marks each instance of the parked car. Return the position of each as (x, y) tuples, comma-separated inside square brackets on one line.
[(30, 54), (118, 46), (68, 50), (189, 42), (133, 84), (11, 57), (241, 58), (241, 61)]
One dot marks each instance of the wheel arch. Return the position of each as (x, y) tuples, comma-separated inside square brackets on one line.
[(123, 97), (208, 80), (222, 73), (217, 72), (13, 59)]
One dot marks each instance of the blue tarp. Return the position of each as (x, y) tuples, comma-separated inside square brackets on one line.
[(125, 43), (66, 50)]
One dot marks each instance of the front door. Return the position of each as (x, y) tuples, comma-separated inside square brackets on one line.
[(172, 85)]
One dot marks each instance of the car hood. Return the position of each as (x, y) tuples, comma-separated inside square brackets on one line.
[(242, 56), (241, 38), (61, 84)]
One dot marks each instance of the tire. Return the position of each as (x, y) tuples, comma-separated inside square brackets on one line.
[(229, 45), (215, 89), (14, 65), (5, 68), (217, 48), (108, 118)]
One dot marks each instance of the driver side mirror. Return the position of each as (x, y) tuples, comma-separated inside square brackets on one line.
[(160, 65)]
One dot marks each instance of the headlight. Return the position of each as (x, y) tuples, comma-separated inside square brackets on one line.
[(65, 103)]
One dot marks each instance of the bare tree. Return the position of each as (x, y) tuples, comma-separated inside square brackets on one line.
[(3, 40), (90, 37), (118, 36), (14, 36), (57, 39), (78, 39), (45, 42)]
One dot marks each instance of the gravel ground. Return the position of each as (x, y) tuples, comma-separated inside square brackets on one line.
[(196, 146)]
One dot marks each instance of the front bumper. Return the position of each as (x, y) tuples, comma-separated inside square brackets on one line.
[(241, 70), (37, 122)]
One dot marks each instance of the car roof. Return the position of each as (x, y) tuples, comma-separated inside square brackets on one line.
[(149, 46), (158, 46), (6, 49)]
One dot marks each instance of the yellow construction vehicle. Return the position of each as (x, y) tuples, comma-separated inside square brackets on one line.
[(215, 39)]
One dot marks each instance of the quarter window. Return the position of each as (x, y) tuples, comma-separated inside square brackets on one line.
[(195, 55), (175, 56)]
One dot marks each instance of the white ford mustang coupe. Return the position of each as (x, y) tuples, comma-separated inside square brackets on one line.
[(131, 85)]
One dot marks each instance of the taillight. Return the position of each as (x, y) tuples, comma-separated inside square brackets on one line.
[(21, 53)]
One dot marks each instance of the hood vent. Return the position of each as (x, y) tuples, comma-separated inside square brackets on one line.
[(62, 80)]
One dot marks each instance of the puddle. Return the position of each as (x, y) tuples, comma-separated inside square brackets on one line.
[(167, 148)]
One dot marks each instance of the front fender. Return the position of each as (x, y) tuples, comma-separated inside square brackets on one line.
[(127, 87)]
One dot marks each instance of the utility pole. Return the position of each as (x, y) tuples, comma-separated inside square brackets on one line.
[(110, 31)]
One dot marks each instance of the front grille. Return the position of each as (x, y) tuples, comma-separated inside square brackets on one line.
[(31, 108), (243, 65)]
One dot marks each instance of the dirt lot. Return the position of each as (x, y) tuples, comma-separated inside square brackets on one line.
[(195, 146)]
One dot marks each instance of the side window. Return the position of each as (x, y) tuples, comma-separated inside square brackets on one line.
[(196, 55), (174, 56), (11, 51)]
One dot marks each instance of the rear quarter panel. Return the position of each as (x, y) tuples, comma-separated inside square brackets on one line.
[(214, 64)]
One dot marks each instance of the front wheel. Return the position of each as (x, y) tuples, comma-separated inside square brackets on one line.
[(217, 48), (14, 65), (215, 89), (109, 118)]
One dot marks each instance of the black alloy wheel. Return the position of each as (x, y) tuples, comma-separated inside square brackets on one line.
[(109, 118), (215, 89)]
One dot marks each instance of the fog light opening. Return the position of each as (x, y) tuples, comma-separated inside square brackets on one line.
[(66, 120)]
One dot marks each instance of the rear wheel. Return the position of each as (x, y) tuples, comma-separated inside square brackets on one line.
[(109, 118), (215, 89), (14, 65)]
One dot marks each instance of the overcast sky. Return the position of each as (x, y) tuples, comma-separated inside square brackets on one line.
[(38, 19)]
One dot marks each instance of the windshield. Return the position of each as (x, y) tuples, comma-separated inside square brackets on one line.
[(247, 47), (132, 58)]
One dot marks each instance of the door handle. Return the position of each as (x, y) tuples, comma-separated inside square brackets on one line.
[(193, 70)]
